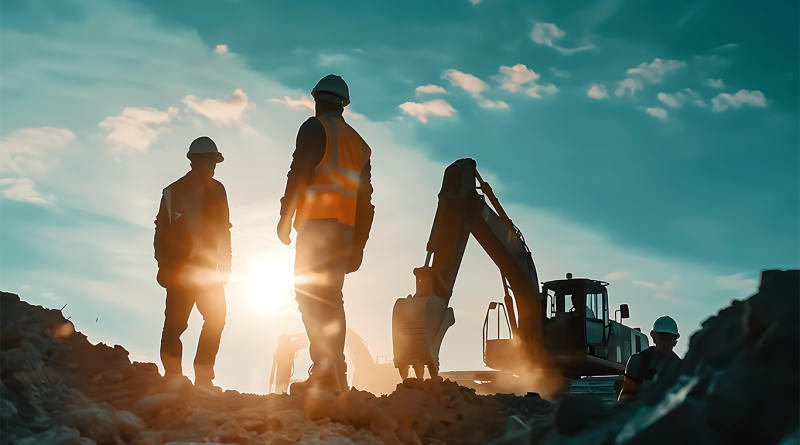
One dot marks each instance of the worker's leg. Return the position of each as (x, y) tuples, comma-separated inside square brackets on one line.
[(211, 304), (180, 301), (323, 249)]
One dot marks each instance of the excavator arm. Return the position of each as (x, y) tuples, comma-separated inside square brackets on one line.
[(419, 322)]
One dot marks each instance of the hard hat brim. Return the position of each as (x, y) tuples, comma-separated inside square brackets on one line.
[(219, 158)]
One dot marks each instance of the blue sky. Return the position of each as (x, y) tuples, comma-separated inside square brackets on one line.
[(651, 144)]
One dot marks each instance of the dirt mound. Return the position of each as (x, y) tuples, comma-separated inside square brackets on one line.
[(58, 388), (738, 384)]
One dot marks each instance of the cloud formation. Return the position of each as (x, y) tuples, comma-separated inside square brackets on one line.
[(486, 103), (303, 103), (628, 87), (429, 89), (536, 90), (225, 111), (559, 73), (332, 59), (31, 150), (716, 83), (672, 100), (512, 77), (436, 107), (466, 81), (725, 100), (222, 49), (544, 33), (654, 72), (137, 127), (597, 91), (21, 189), (657, 112)]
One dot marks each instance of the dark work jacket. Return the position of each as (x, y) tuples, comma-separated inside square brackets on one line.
[(640, 367), (309, 151), (195, 230)]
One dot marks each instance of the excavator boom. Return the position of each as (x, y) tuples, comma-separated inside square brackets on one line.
[(420, 321)]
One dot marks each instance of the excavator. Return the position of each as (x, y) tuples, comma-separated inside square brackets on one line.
[(562, 328)]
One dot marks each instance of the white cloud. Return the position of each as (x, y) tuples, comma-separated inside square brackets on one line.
[(737, 281), (222, 49), (486, 103), (225, 111), (655, 71), (464, 80), (332, 59), (597, 91), (21, 189), (437, 107), (512, 77), (715, 83), (303, 103), (670, 284), (559, 73), (725, 100), (535, 90), (137, 127), (429, 89), (30, 150), (617, 275), (474, 2), (544, 33), (672, 100), (657, 112), (628, 87)]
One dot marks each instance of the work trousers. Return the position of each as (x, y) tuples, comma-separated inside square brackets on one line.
[(324, 248), (181, 298)]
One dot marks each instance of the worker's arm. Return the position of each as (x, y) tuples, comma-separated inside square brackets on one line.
[(308, 153), (160, 244), (632, 370), (365, 212), (225, 255)]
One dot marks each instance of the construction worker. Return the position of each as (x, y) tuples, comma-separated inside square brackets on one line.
[(644, 366), (328, 193), (193, 250)]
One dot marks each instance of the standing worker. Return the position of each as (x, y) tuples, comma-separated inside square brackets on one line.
[(193, 250), (644, 365), (328, 192)]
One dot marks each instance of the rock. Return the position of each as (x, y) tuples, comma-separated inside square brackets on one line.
[(150, 405), (128, 424), (93, 422), (9, 415), (148, 438), (53, 436), (574, 413)]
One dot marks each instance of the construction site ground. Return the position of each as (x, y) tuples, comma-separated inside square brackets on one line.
[(58, 388)]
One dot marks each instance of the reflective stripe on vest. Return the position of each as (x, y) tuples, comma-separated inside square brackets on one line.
[(333, 192)]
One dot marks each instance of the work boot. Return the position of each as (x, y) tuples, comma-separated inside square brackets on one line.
[(321, 378), (203, 376)]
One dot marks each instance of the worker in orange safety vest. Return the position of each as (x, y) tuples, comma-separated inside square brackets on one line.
[(328, 193)]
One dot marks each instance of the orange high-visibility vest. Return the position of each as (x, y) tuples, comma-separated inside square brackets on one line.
[(334, 189)]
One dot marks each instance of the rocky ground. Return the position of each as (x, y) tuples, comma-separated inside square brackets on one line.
[(58, 388), (738, 384)]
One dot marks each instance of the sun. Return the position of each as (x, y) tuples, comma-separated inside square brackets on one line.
[(270, 282)]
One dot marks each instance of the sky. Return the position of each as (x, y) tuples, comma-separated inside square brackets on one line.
[(650, 144)]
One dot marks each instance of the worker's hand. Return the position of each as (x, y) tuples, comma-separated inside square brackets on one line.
[(164, 277), (285, 229), (355, 260), (223, 276)]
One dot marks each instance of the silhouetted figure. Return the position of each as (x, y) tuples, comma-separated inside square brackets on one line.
[(329, 188), (193, 250), (644, 366), (283, 360)]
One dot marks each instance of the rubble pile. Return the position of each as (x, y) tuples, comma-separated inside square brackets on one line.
[(57, 388), (738, 384)]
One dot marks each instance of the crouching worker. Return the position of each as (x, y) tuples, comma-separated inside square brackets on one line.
[(193, 250), (643, 366)]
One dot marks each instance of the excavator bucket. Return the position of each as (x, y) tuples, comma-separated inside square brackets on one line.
[(418, 327)]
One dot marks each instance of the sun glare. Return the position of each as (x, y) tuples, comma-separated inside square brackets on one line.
[(271, 282)]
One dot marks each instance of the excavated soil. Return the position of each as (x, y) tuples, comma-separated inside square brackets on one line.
[(58, 388)]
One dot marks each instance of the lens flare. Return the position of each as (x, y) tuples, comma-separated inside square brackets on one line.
[(270, 283)]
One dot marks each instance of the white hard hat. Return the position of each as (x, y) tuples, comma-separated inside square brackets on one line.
[(332, 84), (666, 325), (204, 144)]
